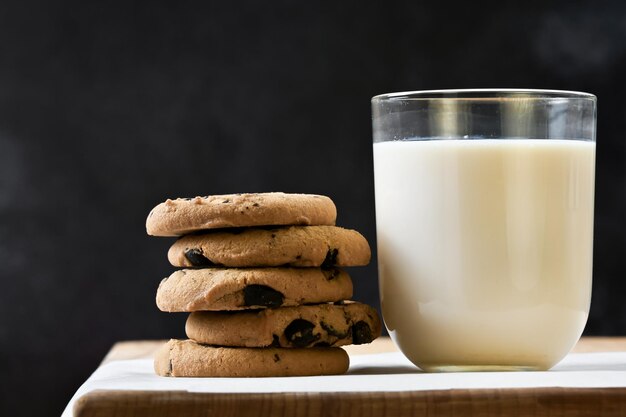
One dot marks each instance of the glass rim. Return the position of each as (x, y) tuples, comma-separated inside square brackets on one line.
[(484, 94)]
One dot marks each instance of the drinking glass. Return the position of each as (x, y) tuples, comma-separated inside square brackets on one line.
[(484, 212)]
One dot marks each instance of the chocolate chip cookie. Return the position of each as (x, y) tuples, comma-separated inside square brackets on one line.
[(289, 327), (185, 215), (300, 246), (186, 358), (238, 288)]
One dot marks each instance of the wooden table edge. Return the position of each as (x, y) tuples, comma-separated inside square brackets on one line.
[(536, 402)]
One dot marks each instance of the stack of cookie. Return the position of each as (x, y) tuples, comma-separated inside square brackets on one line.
[(263, 286)]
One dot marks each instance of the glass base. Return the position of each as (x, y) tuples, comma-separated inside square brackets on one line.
[(479, 368)]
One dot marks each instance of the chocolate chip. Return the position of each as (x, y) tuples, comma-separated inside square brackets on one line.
[(226, 201), (197, 258), (331, 331), (331, 258), (255, 205), (331, 273), (276, 357), (300, 333), (275, 341), (262, 295), (273, 235), (361, 333)]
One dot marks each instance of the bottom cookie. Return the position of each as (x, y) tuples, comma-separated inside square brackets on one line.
[(186, 358)]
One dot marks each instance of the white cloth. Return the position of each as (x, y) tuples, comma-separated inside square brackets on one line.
[(373, 372)]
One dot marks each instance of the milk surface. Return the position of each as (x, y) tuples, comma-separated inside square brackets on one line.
[(485, 249)]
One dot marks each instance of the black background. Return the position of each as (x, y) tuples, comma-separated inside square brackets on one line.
[(107, 109)]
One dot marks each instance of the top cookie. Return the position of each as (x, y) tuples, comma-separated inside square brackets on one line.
[(185, 215)]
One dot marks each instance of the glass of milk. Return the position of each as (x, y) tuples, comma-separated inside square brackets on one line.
[(484, 212)]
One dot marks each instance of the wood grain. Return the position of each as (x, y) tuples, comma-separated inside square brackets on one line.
[(479, 403)]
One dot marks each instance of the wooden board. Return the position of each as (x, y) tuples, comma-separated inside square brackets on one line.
[(551, 402), (539, 402)]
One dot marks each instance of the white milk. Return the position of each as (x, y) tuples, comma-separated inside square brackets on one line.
[(485, 249)]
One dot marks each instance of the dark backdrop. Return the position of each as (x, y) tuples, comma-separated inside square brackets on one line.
[(106, 110)]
